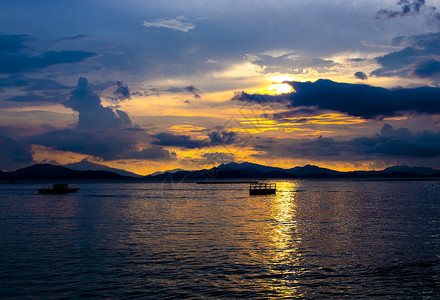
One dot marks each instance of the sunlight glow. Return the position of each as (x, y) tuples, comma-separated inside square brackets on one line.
[(279, 88)]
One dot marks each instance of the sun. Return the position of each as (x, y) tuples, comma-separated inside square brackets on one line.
[(279, 88)]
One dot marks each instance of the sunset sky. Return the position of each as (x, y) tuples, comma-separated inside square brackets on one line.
[(150, 86)]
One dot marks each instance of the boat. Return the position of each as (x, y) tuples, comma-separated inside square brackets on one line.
[(262, 188), (59, 188)]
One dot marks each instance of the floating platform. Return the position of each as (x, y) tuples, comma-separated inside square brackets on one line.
[(262, 188), (59, 188)]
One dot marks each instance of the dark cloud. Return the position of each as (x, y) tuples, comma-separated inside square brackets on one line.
[(361, 75), (122, 92), (92, 115), (359, 100), (192, 89), (222, 137), (14, 153), (13, 43), (44, 84), (356, 59), (11, 63), (100, 131), (151, 153), (427, 68), (75, 37), (32, 90), (402, 142), (412, 8), (388, 143), (187, 89), (215, 138), (261, 99), (407, 8), (420, 59), (169, 139), (108, 144)]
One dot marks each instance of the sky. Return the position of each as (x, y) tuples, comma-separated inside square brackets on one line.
[(150, 86)]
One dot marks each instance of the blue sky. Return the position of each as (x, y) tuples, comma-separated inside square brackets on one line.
[(156, 85)]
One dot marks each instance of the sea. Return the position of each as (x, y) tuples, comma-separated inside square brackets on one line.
[(314, 239)]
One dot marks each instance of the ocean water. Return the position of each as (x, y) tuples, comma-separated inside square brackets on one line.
[(313, 239)]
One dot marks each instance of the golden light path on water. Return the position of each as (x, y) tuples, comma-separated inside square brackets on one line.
[(272, 241), (283, 240), (256, 231)]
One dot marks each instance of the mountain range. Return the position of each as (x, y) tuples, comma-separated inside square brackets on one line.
[(53, 172), (255, 171), (86, 170), (86, 165)]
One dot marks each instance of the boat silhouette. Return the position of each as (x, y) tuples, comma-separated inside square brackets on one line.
[(59, 188)]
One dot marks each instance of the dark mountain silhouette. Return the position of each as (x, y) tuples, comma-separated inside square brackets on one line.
[(411, 170), (86, 165), (51, 172), (163, 172), (222, 172), (254, 171), (311, 171)]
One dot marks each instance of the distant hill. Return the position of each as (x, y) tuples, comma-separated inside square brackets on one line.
[(52, 172), (163, 172), (223, 171), (423, 171), (311, 171), (255, 171), (86, 165)]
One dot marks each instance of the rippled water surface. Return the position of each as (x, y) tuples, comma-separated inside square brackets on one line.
[(314, 239)]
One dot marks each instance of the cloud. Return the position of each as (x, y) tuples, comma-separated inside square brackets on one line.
[(100, 131), (36, 98), (420, 59), (291, 63), (111, 144), (359, 100), (169, 139), (411, 8), (408, 8), (222, 137), (11, 63), (389, 143), (43, 84), (92, 115), (402, 142), (151, 153), (122, 92), (22, 89), (14, 153), (361, 75), (174, 24), (215, 138), (427, 68), (72, 38), (188, 89), (13, 43)]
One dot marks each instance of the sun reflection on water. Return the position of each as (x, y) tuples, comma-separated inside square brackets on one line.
[(283, 240)]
